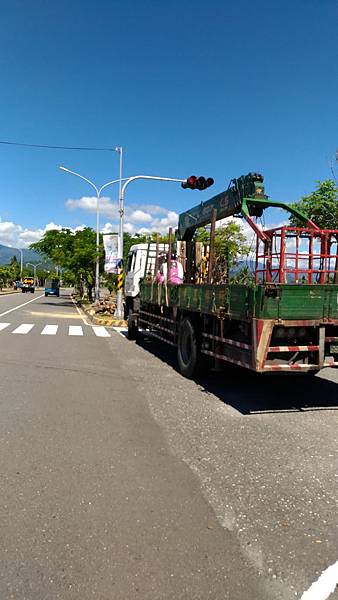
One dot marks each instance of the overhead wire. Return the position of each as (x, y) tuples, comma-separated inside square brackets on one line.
[(52, 147)]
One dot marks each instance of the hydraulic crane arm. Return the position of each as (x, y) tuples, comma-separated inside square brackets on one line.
[(245, 196)]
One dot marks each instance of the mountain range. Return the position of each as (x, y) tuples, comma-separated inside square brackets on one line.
[(7, 252)]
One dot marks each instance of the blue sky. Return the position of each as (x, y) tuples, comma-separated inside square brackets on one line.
[(211, 88)]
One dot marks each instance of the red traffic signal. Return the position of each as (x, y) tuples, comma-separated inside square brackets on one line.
[(190, 183), (197, 183)]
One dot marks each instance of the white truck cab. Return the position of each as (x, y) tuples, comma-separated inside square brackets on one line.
[(136, 264), (135, 271)]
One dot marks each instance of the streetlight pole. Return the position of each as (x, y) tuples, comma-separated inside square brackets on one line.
[(98, 194), (119, 149), (119, 299), (21, 262), (34, 270)]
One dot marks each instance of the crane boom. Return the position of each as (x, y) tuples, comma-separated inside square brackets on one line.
[(226, 203), (245, 196)]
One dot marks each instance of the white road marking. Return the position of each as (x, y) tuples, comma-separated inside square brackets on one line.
[(121, 331), (101, 331), (24, 328), (80, 313), (49, 330), (75, 330), (20, 306), (324, 586)]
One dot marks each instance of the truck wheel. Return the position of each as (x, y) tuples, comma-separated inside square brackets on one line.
[(188, 352), (132, 327)]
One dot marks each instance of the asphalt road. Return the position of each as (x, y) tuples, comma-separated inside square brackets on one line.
[(120, 479)]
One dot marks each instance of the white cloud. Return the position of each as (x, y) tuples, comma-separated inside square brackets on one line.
[(140, 216), (12, 234), (109, 228), (154, 209), (129, 228), (15, 235), (155, 217), (88, 204), (162, 225)]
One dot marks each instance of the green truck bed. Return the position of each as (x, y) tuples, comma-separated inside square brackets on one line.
[(269, 301)]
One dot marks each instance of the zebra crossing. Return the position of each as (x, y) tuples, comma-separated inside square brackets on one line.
[(52, 330)]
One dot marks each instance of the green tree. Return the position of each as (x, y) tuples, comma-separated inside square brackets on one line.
[(6, 276), (57, 245), (229, 239), (244, 276), (321, 206), (15, 268), (73, 252), (230, 245), (82, 260)]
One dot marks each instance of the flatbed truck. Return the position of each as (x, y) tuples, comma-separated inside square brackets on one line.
[(285, 321)]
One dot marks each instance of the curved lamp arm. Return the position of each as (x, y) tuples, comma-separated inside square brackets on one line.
[(81, 177), (110, 183)]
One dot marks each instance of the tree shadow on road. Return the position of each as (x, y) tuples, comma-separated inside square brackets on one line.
[(253, 393)]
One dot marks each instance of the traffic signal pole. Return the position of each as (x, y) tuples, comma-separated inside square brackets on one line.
[(119, 300)]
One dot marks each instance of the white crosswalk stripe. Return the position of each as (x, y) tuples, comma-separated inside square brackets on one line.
[(75, 330), (50, 330), (101, 331), (24, 328)]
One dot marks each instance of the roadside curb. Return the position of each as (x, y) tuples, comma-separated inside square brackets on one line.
[(10, 292), (107, 320)]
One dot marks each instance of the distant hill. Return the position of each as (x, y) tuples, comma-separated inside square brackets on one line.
[(6, 253)]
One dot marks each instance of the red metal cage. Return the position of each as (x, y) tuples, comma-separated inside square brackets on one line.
[(297, 255)]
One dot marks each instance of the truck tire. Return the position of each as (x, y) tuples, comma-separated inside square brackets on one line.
[(188, 349), (132, 327)]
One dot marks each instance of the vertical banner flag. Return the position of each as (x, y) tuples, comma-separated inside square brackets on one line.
[(111, 248)]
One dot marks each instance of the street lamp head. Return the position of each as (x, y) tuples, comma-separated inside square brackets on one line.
[(63, 168)]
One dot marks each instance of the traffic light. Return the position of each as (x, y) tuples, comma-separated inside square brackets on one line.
[(197, 183)]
